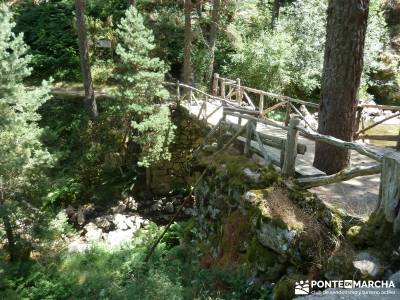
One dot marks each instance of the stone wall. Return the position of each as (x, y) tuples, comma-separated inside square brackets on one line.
[(245, 214), (176, 172)]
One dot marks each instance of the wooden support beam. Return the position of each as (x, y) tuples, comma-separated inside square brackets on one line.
[(178, 94), (289, 163), (261, 104), (273, 107), (393, 138), (242, 111), (389, 202), (215, 84), (343, 175), (249, 136), (233, 138), (248, 100), (238, 92), (377, 123), (214, 111), (223, 89), (287, 117), (383, 107), (201, 109), (263, 121), (374, 154), (274, 141), (260, 144), (301, 116)]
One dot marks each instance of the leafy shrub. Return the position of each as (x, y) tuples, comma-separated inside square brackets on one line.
[(289, 59), (49, 31), (173, 272)]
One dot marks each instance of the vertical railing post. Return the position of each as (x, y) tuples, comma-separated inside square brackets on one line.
[(178, 94), (398, 143), (215, 84), (249, 136), (221, 128), (288, 110), (205, 108), (358, 120), (389, 201), (223, 89), (289, 162), (261, 104), (238, 92)]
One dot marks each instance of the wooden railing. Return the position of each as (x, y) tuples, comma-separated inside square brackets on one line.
[(244, 130), (256, 99), (290, 147), (248, 116)]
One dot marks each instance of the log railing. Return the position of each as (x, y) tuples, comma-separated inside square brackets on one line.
[(290, 105), (236, 106), (237, 120), (250, 115)]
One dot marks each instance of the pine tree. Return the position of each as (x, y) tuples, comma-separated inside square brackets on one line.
[(140, 92), (22, 156)]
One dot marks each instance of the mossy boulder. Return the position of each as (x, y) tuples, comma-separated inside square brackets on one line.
[(265, 260), (284, 288), (280, 225)]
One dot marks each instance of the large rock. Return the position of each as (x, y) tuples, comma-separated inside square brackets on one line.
[(121, 222), (396, 279), (104, 222), (93, 233), (131, 203), (119, 237), (78, 245), (368, 265), (84, 211), (282, 226)]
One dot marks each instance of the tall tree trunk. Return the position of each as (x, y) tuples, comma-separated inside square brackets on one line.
[(343, 64), (212, 38), (131, 3), (187, 62), (8, 228), (84, 57), (275, 12)]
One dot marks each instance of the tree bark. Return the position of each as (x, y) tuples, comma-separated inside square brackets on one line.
[(131, 3), (90, 100), (187, 62), (8, 229), (343, 64), (212, 38)]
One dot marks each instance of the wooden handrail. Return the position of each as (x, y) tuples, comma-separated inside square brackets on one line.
[(376, 155)]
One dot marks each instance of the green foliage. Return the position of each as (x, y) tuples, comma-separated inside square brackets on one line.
[(22, 156), (49, 31), (90, 165), (140, 92), (173, 272), (289, 58)]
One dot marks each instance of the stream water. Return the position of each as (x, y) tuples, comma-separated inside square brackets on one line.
[(383, 129)]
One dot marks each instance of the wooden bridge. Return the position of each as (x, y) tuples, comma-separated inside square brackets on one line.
[(241, 112)]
